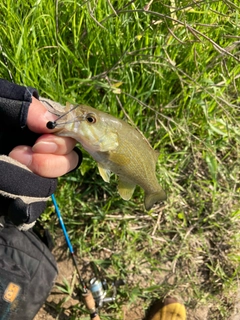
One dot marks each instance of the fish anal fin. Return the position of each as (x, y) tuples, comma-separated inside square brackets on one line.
[(126, 189), (152, 198), (104, 173)]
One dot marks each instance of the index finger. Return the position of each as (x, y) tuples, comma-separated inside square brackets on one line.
[(38, 116)]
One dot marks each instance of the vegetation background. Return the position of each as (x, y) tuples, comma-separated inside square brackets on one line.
[(171, 68)]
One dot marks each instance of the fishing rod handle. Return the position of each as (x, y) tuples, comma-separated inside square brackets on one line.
[(90, 304), (94, 316)]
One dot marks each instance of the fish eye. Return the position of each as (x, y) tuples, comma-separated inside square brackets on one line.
[(90, 118)]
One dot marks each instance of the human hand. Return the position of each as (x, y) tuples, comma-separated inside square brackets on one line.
[(35, 156), (51, 156)]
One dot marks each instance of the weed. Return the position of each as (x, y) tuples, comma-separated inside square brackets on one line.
[(172, 69)]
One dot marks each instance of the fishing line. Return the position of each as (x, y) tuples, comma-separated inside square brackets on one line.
[(53, 124), (49, 104)]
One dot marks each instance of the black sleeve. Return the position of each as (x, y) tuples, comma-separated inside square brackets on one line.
[(14, 103)]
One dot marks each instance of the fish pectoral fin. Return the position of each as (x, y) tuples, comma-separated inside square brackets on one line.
[(156, 155), (109, 140), (109, 143), (152, 198), (104, 173), (126, 189)]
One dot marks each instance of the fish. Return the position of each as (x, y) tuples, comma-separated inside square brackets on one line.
[(117, 147)]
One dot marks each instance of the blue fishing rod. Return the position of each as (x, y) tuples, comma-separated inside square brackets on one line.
[(70, 247), (86, 294)]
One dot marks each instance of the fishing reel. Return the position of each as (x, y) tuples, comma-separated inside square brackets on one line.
[(100, 290), (96, 295)]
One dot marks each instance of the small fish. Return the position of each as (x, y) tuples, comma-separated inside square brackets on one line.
[(117, 147)]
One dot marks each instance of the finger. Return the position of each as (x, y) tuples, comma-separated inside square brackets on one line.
[(38, 116), (53, 165), (51, 144), (50, 166)]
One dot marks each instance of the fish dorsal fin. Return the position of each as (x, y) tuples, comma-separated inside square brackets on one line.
[(104, 173), (126, 189), (156, 155)]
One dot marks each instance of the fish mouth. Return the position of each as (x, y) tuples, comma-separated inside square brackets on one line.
[(57, 123)]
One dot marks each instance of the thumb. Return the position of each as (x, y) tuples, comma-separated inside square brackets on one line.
[(38, 116)]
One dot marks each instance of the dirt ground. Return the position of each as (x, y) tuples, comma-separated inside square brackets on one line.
[(66, 271), (51, 309)]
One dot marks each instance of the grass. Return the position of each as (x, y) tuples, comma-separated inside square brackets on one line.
[(173, 71)]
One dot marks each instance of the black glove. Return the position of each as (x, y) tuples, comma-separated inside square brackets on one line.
[(14, 104), (23, 194)]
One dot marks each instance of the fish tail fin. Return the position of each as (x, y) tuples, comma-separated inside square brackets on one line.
[(152, 198)]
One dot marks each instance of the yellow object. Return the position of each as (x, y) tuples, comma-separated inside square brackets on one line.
[(11, 292), (117, 147), (173, 311), (169, 309)]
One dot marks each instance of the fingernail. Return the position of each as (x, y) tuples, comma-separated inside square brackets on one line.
[(45, 147), (50, 116), (22, 154)]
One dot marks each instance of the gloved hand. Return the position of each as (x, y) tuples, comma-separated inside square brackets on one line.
[(23, 194)]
